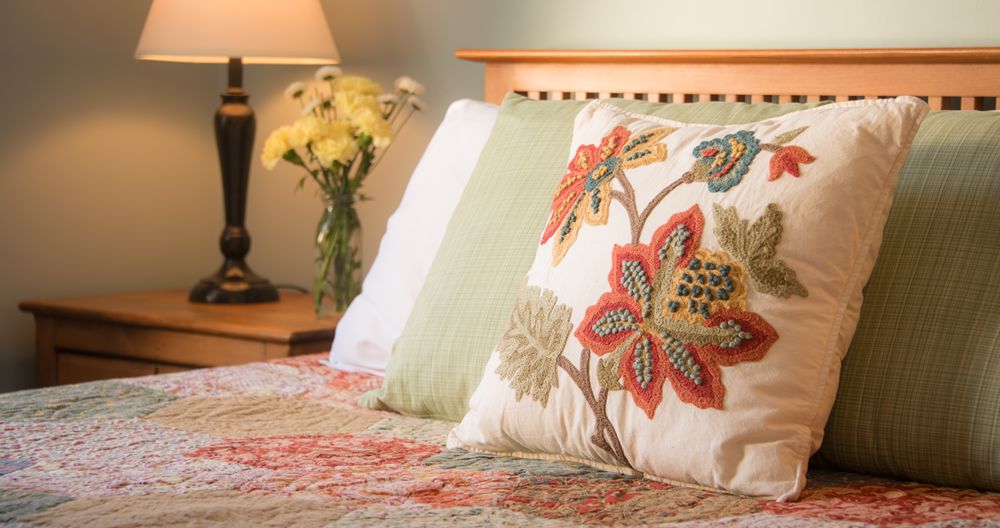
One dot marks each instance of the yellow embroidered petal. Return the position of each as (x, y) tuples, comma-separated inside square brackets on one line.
[(586, 209), (657, 152), (722, 286), (561, 244)]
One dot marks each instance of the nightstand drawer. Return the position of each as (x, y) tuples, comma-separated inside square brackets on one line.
[(155, 345), (79, 368)]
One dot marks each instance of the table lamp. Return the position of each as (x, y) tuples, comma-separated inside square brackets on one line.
[(236, 32)]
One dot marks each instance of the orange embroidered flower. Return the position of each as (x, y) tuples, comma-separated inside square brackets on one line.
[(647, 344), (788, 159), (585, 191)]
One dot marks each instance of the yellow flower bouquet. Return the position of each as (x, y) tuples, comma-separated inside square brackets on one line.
[(346, 128)]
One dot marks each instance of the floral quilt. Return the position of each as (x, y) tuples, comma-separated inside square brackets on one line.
[(282, 443)]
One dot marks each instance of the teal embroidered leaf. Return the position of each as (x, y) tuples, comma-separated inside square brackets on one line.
[(788, 136), (756, 248), (532, 342)]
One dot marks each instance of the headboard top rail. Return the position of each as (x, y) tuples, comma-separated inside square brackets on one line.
[(774, 56)]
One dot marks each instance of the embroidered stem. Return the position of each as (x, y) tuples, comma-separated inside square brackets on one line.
[(649, 209), (770, 147), (627, 200), (609, 431), (638, 221), (605, 436)]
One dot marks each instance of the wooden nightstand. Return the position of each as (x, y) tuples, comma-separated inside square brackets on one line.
[(90, 338)]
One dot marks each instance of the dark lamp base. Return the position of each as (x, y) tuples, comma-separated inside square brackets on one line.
[(234, 283)]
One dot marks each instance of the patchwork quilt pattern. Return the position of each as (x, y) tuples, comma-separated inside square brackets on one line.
[(283, 443)]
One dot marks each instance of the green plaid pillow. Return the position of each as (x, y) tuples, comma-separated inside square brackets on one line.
[(919, 394), (439, 359)]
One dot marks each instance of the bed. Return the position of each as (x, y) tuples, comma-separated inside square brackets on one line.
[(286, 443)]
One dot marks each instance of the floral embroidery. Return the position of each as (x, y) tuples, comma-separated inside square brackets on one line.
[(654, 344), (675, 311), (722, 162), (755, 248), (788, 159), (781, 139), (584, 192), (711, 281), (534, 338), (639, 331)]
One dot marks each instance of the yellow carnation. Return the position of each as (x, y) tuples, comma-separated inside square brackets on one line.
[(354, 83), (275, 147), (336, 145), (372, 123), (309, 128), (350, 103)]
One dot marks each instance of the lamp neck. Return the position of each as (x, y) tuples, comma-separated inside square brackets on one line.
[(235, 74)]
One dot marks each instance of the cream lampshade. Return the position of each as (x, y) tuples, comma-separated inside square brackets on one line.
[(236, 32), (258, 31)]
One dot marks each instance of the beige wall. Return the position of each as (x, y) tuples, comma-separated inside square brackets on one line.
[(108, 174)]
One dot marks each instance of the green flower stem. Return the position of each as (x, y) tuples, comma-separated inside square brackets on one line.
[(337, 276), (388, 113), (399, 108)]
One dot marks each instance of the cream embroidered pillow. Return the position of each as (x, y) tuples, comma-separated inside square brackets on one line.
[(693, 294)]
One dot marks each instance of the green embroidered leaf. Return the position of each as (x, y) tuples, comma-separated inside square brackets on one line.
[(532, 342), (695, 334), (730, 230), (788, 136), (775, 278), (607, 367), (756, 248), (764, 235)]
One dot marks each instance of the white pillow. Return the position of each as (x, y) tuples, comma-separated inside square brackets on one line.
[(684, 317), (413, 234)]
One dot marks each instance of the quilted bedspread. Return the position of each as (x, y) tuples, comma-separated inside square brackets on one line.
[(282, 443)]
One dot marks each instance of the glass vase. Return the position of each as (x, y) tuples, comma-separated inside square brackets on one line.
[(338, 258)]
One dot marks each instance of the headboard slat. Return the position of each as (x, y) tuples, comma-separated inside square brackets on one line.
[(972, 103)]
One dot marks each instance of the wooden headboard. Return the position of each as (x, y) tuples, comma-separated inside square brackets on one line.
[(949, 78)]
